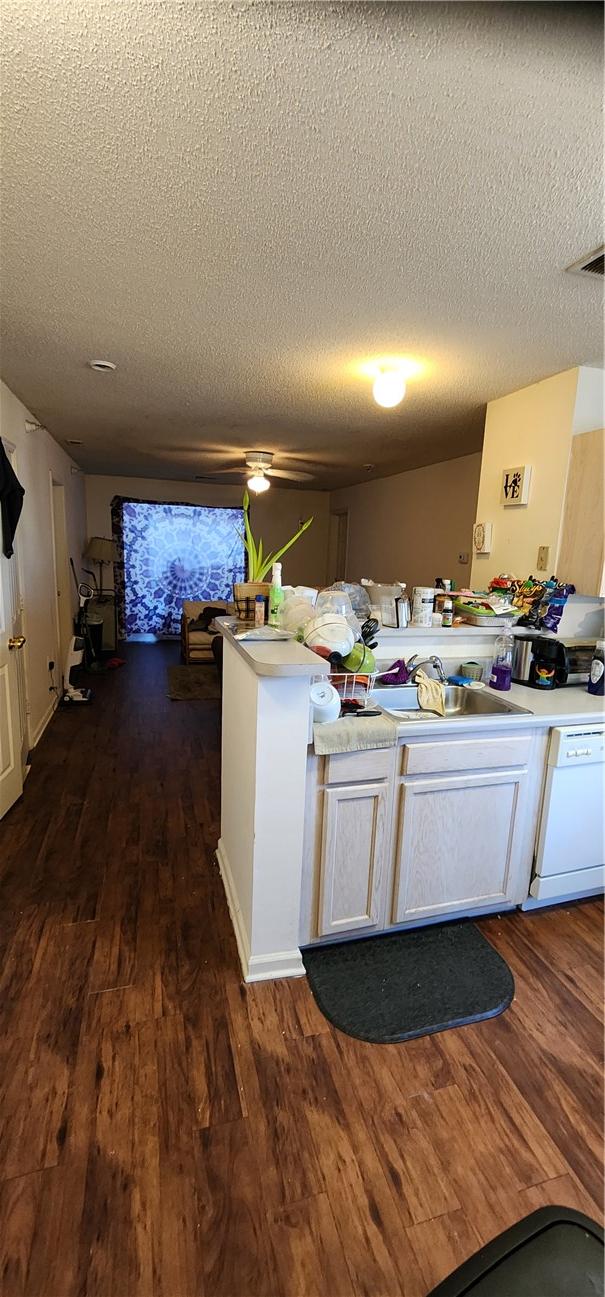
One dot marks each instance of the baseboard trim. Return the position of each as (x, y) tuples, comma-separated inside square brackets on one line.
[(282, 963), (36, 735), (255, 968), (241, 936)]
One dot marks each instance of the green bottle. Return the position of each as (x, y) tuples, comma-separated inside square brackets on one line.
[(276, 594)]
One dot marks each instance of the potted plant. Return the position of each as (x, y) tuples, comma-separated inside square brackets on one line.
[(259, 564)]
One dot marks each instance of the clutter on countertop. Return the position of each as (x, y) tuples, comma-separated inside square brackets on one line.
[(479, 609), (539, 603), (384, 599), (351, 734)]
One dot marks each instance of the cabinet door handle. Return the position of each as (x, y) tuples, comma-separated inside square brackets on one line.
[(16, 641)]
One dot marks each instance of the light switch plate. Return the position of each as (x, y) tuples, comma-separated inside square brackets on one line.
[(463, 557), (542, 563)]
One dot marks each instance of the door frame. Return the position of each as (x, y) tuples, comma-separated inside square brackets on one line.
[(338, 544), (61, 575), (21, 674)]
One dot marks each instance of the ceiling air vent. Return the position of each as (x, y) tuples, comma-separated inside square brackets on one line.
[(592, 264)]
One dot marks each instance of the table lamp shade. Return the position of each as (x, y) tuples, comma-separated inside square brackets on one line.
[(101, 549)]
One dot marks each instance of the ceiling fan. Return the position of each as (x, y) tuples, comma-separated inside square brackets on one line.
[(256, 471)]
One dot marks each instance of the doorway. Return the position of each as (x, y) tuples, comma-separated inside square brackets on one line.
[(63, 614), (338, 543)]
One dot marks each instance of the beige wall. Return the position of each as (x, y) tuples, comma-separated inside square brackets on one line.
[(532, 426), (275, 516), (38, 461), (412, 527)]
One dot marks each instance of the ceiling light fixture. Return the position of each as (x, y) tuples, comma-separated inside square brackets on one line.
[(389, 388), (102, 366), (258, 483)]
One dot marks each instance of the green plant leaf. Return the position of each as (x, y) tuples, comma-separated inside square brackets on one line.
[(250, 547)]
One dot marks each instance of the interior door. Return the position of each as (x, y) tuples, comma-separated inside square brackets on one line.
[(13, 719)]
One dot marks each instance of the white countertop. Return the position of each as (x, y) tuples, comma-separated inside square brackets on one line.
[(571, 705), (273, 657)]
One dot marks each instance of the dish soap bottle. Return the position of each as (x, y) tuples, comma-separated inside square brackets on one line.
[(502, 667), (596, 679), (276, 594)]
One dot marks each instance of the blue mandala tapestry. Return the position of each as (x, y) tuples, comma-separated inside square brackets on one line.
[(174, 552)]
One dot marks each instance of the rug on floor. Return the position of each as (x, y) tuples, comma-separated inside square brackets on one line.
[(195, 682), (392, 988)]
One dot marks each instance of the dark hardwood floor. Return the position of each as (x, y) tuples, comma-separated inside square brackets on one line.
[(167, 1132)]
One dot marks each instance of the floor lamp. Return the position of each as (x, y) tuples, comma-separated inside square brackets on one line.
[(101, 550)]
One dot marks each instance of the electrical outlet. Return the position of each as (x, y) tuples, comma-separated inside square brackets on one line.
[(463, 557), (542, 563)]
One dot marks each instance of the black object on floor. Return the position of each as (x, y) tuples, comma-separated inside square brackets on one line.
[(555, 1252), (390, 988)]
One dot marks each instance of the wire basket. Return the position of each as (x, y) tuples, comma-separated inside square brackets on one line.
[(353, 684), (244, 598)]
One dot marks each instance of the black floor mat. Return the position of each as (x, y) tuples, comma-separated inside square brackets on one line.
[(389, 988)]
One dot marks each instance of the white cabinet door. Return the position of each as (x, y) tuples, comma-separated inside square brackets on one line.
[(355, 846), (461, 843)]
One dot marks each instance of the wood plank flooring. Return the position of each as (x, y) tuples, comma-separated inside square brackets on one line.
[(167, 1132)]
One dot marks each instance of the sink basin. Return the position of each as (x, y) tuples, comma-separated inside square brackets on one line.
[(401, 701)]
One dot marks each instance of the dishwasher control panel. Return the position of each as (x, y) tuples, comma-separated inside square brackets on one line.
[(576, 746)]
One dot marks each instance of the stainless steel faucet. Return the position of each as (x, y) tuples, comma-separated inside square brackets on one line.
[(413, 666)]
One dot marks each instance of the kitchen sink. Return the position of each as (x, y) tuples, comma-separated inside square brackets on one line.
[(401, 701)]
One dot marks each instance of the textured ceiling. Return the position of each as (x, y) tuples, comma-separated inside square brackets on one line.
[(237, 203)]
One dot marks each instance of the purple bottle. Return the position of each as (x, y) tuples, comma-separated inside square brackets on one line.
[(502, 667)]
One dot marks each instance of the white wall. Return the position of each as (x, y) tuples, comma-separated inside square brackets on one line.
[(275, 516), (38, 459), (532, 426), (589, 412), (411, 527)]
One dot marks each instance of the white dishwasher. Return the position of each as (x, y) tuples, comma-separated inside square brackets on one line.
[(570, 857)]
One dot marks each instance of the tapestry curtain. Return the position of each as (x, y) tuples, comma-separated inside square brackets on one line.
[(171, 552)]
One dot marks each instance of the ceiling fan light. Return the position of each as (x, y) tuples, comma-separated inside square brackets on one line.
[(258, 483), (389, 388)]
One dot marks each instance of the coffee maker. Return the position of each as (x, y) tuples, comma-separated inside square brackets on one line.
[(548, 667)]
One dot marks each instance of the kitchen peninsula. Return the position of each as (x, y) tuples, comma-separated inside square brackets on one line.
[(444, 823)]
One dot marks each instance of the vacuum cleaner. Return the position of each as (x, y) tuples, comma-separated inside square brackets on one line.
[(79, 645)]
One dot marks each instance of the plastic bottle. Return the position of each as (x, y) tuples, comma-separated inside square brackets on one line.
[(502, 666), (276, 594), (596, 679), (259, 610)]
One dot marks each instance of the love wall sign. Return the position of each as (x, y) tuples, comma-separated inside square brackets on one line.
[(515, 485)]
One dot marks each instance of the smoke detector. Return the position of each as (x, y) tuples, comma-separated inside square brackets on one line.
[(592, 264)]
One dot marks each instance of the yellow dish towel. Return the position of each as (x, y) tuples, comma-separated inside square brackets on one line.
[(431, 694)]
